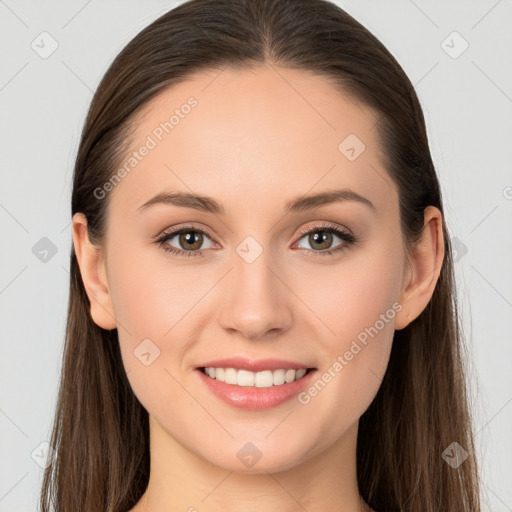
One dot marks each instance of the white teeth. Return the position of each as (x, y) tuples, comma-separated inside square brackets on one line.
[(264, 379), (246, 378), (230, 376), (289, 376), (278, 377), (298, 374)]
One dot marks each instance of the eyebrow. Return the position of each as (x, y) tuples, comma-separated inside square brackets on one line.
[(298, 204)]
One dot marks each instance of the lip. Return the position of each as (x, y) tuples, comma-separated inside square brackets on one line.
[(253, 398), (242, 363)]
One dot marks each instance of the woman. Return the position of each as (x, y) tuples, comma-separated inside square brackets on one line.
[(216, 357)]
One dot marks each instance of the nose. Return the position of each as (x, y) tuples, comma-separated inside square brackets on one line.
[(257, 300)]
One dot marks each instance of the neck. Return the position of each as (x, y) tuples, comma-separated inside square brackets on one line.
[(180, 480)]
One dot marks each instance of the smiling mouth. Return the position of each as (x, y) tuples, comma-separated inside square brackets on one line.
[(261, 379)]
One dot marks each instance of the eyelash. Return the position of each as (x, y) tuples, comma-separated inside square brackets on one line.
[(348, 238)]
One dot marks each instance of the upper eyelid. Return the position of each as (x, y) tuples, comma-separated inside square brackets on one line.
[(324, 225), (179, 229)]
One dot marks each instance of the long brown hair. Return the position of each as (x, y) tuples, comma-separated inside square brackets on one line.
[(101, 430)]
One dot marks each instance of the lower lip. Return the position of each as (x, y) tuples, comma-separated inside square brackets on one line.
[(253, 398)]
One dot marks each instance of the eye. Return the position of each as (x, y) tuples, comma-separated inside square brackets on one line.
[(189, 240), (321, 236)]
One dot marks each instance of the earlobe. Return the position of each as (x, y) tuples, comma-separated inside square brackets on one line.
[(92, 269), (425, 262)]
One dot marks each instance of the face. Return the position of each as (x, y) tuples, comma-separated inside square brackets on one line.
[(266, 281)]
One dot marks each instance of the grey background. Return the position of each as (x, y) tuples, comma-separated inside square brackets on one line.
[(467, 103)]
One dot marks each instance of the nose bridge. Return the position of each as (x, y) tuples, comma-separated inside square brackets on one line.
[(254, 300)]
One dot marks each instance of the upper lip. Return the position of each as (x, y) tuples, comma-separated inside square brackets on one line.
[(242, 363)]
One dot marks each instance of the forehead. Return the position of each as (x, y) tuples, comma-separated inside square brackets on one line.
[(260, 132)]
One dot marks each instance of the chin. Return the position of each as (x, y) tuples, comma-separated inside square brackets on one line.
[(258, 457)]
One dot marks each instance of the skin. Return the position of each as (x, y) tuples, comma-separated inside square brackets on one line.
[(253, 143)]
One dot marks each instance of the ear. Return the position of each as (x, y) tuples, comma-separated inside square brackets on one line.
[(92, 268), (425, 262)]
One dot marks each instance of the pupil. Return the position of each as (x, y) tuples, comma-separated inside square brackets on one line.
[(322, 238), (190, 238)]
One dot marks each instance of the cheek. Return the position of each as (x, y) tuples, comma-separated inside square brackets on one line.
[(148, 305), (352, 367), (354, 294), (357, 306), (150, 295), (158, 305)]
